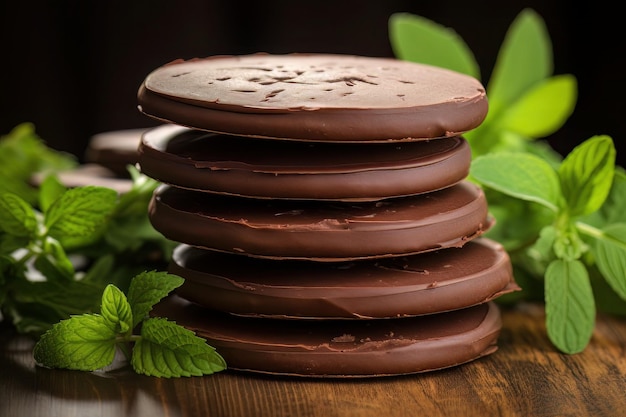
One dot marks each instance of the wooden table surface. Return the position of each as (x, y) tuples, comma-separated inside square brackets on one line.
[(525, 377)]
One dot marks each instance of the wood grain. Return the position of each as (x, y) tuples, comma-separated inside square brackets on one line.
[(525, 377)]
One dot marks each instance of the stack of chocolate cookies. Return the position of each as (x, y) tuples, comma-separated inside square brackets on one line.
[(325, 220)]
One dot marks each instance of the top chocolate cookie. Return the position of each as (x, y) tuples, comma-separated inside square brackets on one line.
[(314, 97)]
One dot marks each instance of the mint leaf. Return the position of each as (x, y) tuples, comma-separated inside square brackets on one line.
[(49, 191), (570, 306), (116, 310), (48, 302), (417, 39), (108, 270), (147, 289), (54, 224), (88, 342), (610, 254), (135, 202), (518, 222), (519, 175), (84, 343), (543, 109), (586, 175), (79, 213), (612, 211), (130, 233), (169, 350), (17, 217), (524, 59)]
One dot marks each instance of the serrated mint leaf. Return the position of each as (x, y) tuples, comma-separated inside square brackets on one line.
[(169, 350), (586, 175), (570, 306), (543, 109), (116, 310), (610, 254), (612, 211), (84, 343), (417, 39), (50, 190), (524, 59), (80, 212), (520, 175), (17, 216), (147, 289)]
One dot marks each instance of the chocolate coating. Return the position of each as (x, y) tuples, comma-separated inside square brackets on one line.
[(314, 97), (301, 170), (342, 348), (320, 230), (443, 280)]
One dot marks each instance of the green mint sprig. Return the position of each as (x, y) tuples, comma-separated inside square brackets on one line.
[(562, 221), (39, 279), (89, 342), (58, 253), (568, 245), (526, 101)]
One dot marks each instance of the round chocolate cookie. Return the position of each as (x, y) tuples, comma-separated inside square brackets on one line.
[(321, 230), (435, 282), (115, 149), (315, 97), (89, 174), (264, 168), (342, 348)]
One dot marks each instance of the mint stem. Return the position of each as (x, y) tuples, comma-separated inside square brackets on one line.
[(123, 342), (590, 230)]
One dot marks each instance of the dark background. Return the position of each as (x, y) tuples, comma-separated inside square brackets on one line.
[(73, 67)]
